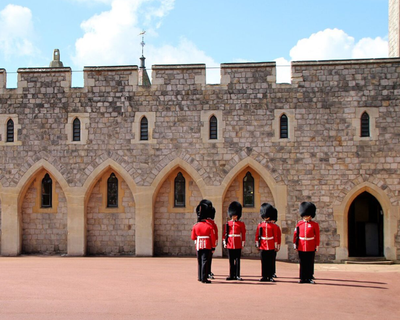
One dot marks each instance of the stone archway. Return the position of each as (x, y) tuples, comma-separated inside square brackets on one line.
[(365, 227), (390, 220)]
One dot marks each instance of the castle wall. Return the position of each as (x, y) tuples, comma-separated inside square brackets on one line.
[(44, 233), (322, 161), (110, 233)]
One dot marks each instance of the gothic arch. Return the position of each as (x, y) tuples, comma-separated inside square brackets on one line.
[(171, 166), (278, 190), (98, 172), (30, 175), (390, 219)]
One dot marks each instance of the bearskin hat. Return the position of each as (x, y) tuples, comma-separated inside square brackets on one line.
[(203, 209), (307, 209), (211, 213), (268, 211), (235, 209)]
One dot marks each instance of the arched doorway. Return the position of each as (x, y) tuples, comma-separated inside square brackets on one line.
[(365, 227)]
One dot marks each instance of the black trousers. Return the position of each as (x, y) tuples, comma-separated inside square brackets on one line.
[(203, 262), (274, 271), (267, 263), (234, 262), (306, 264)]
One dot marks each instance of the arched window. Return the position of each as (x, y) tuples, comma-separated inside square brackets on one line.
[(213, 128), (248, 191), (283, 127), (76, 130), (365, 125), (10, 131), (112, 191), (144, 129), (179, 191), (47, 191)]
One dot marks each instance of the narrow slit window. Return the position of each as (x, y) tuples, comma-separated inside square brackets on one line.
[(47, 191), (248, 191), (144, 129), (284, 129), (10, 131), (112, 191), (213, 128), (76, 129), (365, 125), (179, 191)]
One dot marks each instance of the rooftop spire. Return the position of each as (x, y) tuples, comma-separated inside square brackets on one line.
[(143, 76)]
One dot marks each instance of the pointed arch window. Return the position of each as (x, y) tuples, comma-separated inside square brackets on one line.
[(10, 131), (112, 191), (76, 130), (144, 129), (248, 191), (213, 128), (365, 132), (47, 192), (283, 127), (179, 191)]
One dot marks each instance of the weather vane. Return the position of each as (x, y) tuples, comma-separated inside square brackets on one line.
[(142, 43)]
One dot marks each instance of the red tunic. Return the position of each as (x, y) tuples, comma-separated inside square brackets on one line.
[(308, 236), (236, 235), (269, 236), (215, 228), (203, 235), (279, 234)]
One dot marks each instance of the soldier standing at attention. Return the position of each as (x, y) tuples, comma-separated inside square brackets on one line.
[(210, 220), (234, 239), (204, 239), (306, 241), (267, 241), (274, 219)]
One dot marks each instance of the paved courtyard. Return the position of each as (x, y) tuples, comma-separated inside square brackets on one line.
[(33, 287)]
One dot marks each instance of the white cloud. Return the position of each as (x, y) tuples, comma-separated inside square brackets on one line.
[(16, 31), (336, 44), (332, 44), (112, 37)]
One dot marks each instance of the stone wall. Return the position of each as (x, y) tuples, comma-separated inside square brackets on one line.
[(324, 162), (172, 230), (110, 233), (44, 233)]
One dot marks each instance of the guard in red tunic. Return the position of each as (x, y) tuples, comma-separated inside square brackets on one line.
[(267, 241), (274, 219), (204, 239), (306, 241), (234, 239), (210, 220)]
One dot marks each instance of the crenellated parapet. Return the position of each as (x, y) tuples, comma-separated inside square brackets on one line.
[(177, 76), (239, 74), (44, 80), (123, 78)]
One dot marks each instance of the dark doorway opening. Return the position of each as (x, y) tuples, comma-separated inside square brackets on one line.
[(365, 227)]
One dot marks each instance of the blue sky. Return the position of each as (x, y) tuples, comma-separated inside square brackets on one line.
[(106, 32)]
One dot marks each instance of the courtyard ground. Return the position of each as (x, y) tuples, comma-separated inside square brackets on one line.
[(34, 287)]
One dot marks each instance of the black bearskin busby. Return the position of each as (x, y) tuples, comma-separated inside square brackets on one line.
[(235, 209), (211, 213), (203, 210), (268, 211), (307, 209)]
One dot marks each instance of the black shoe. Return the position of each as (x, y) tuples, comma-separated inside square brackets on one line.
[(264, 280), (239, 279), (230, 278), (271, 279), (210, 276), (303, 281), (206, 281), (311, 281), (274, 275)]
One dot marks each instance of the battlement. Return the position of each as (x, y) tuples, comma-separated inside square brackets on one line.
[(329, 73)]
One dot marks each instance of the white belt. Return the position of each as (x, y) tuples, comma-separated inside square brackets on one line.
[(234, 235), (301, 238), (269, 238), (203, 237)]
